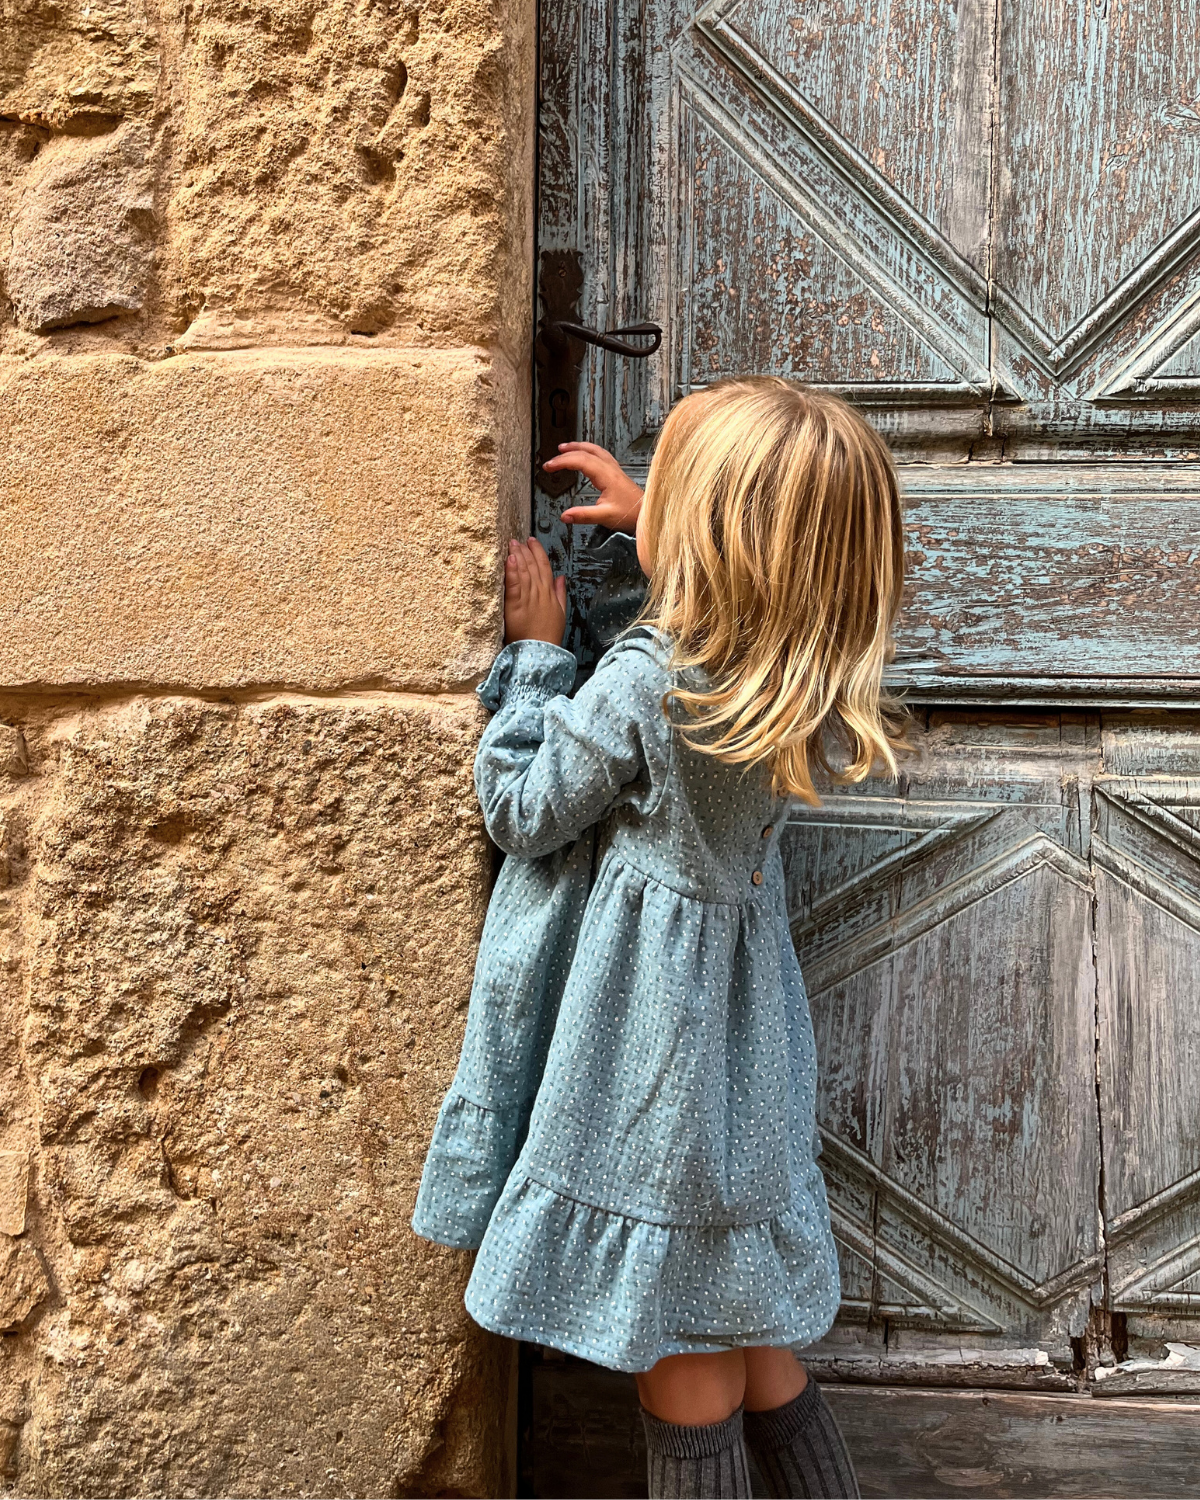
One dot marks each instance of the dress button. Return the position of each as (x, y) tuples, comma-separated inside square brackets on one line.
[(768, 830), (757, 877)]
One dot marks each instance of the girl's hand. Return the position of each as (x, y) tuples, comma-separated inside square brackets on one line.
[(535, 602), (620, 499)]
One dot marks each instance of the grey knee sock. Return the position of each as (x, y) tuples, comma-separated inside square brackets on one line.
[(800, 1450), (696, 1463)]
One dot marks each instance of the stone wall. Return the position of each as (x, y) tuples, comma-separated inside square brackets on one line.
[(264, 322)]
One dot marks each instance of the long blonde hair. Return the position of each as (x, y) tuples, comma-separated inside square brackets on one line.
[(773, 530)]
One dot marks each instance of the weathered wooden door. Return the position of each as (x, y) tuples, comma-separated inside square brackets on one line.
[(980, 220)]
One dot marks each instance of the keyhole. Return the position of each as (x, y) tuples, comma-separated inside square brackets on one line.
[(560, 401)]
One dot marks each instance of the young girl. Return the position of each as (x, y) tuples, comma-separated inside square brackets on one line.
[(630, 1137)]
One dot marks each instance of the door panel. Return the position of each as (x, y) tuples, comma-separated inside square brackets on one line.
[(1060, 581), (1097, 217), (960, 992), (900, 268), (1147, 853), (952, 982), (993, 266), (796, 307), (919, 113)]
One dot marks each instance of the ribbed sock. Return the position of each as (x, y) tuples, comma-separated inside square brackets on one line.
[(799, 1449), (696, 1463)]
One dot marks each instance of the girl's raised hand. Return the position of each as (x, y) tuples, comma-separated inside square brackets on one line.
[(535, 602), (620, 499)]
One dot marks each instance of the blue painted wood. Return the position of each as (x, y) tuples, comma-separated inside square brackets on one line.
[(1052, 582), (927, 205), (952, 982)]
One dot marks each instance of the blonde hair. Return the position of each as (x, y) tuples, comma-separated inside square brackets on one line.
[(773, 529)]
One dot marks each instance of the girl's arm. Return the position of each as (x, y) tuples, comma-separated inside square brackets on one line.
[(549, 766)]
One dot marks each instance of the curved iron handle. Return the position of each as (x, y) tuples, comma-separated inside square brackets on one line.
[(611, 339)]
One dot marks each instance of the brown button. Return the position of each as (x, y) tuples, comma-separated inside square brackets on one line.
[(757, 877), (768, 830)]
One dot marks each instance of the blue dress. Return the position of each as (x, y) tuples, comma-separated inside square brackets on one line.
[(630, 1137)]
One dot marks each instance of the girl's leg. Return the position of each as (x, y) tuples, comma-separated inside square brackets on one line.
[(773, 1378), (692, 1389), (791, 1430), (692, 1408)]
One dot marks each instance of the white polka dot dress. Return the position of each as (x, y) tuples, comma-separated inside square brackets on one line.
[(630, 1136)]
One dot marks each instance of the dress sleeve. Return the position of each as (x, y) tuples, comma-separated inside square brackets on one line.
[(549, 766)]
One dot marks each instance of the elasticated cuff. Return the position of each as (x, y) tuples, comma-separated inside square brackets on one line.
[(533, 670), (677, 1441)]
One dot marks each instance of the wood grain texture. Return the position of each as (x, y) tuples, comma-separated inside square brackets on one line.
[(919, 110), (948, 957), (1052, 581), (587, 1440), (920, 277), (963, 934), (1147, 849), (717, 175), (944, 1443), (767, 293), (1098, 140), (979, 220)]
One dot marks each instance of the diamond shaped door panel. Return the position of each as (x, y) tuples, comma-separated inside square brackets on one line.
[(1099, 149), (1097, 217), (1036, 885), (766, 292), (1147, 853), (952, 984), (856, 219), (983, 221), (918, 116)]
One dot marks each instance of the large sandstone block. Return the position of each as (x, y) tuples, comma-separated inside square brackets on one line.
[(319, 519), (322, 168), (240, 948)]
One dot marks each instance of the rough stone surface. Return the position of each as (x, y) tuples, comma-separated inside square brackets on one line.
[(23, 1284), (82, 246), (236, 956), (313, 519), (14, 759), (14, 1189), (325, 168), (76, 66)]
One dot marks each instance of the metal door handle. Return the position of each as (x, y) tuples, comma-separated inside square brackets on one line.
[(558, 352), (613, 339)]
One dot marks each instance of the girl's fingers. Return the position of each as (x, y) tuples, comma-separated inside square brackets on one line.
[(599, 466), (587, 514), (582, 463), (540, 569), (528, 568), (585, 448), (516, 570)]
